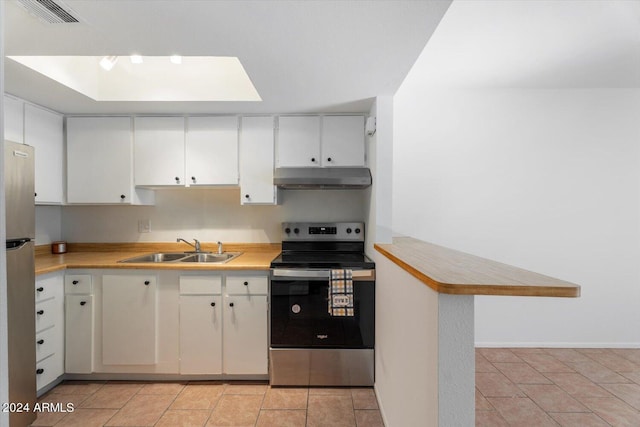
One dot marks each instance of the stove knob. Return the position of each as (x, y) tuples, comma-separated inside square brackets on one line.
[(357, 231), (296, 230), (348, 231), (287, 230)]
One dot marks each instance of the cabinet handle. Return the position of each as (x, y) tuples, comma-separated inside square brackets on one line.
[(83, 302), (213, 304), (40, 289), (246, 196), (35, 194), (328, 159), (40, 342), (40, 312), (230, 304), (146, 282), (313, 160), (122, 196), (177, 179), (39, 371), (193, 178), (75, 282), (246, 283)]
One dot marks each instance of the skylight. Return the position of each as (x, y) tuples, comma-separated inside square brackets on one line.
[(156, 78)]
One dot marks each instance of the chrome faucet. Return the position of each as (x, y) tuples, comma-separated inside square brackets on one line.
[(219, 248), (196, 246)]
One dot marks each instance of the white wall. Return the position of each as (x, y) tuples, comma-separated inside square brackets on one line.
[(208, 215), (547, 180), (48, 224)]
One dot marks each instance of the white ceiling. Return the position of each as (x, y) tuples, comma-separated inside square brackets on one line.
[(302, 56)]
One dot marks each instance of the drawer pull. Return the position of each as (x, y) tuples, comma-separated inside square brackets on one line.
[(230, 304), (75, 282), (40, 312), (246, 283), (213, 304), (40, 289), (83, 302), (146, 282), (39, 371), (40, 341)]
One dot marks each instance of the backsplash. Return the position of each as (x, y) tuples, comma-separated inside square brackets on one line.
[(208, 215)]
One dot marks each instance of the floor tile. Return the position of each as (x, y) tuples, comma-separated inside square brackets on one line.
[(364, 398), (543, 362), (577, 385), (614, 362), (579, 420), (490, 419), (330, 391), (519, 351), (552, 398), (612, 410), (184, 418), (598, 373), (504, 355), (282, 418), (87, 418), (482, 404), (518, 410), (632, 354), (496, 385), (483, 365), (630, 393), (162, 388), (236, 410), (330, 411), (286, 398), (567, 355), (198, 396), (521, 373), (111, 396), (142, 410), (633, 376), (78, 387), (368, 418), (49, 418), (246, 389)]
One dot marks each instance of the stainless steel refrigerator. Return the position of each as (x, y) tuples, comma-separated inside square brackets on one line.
[(20, 215)]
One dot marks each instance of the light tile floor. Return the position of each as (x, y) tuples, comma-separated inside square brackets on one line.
[(514, 387), (557, 387), (197, 403)]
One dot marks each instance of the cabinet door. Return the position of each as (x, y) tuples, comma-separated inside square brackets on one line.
[(13, 119), (43, 130), (298, 141), (200, 334), (256, 161), (79, 334), (159, 151), (245, 341), (212, 151), (99, 160), (343, 141), (128, 320)]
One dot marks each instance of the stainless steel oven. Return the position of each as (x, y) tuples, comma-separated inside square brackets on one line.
[(309, 343)]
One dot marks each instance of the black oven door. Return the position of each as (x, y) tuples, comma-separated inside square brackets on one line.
[(300, 317)]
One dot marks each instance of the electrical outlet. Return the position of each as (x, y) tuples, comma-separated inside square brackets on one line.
[(144, 226)]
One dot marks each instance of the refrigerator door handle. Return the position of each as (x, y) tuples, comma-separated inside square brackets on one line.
[(14, 245)]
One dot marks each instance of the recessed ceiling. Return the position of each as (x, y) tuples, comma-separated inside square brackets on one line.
[(302, 56)]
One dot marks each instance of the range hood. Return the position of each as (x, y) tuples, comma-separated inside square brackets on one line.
[(322, 178)]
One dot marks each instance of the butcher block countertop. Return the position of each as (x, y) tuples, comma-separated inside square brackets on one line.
[(452, 272), (255, 256)]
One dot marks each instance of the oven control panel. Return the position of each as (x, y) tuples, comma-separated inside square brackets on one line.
[(326, 231)]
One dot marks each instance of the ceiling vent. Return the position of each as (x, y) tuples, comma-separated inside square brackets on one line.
[(50, 11)]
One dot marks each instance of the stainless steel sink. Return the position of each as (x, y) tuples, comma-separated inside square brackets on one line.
[(211, 258), (162, 257), (157, 257)]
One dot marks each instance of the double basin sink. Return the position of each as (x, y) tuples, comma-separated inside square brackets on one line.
[(186, 257)]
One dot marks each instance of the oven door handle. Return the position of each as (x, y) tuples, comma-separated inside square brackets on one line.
[(280, 273)]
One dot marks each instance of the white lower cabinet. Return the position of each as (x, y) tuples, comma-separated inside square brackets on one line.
[(49, 329), (78, 334), (200, 334), (129, 319)]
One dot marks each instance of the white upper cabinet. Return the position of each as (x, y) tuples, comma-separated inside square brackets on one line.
[(100, 162), (211, 151), (328, 141), (43, 130), (298, 141), (343, 141), (256, 161), (13, 119), (159, 151)]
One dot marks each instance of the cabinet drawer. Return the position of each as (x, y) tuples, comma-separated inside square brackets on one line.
[(247, 285), (48, 370), (45, 314), (45, 345), (200, 285), (45, 288), (77, 284)]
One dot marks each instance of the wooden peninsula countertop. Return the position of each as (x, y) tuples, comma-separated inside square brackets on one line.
[(452, 272), (255, 256)]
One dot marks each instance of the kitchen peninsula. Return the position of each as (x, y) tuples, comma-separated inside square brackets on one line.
[(425, 327)]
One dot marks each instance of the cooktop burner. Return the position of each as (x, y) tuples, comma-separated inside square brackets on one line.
[(322, 260)]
